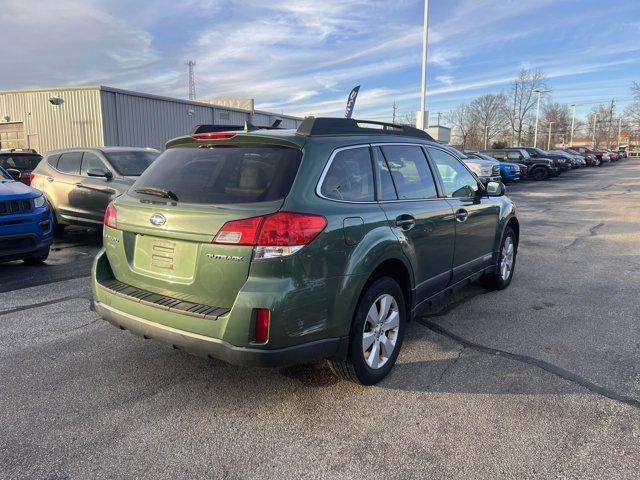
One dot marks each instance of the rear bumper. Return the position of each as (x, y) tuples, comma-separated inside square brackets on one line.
[(204, 346)]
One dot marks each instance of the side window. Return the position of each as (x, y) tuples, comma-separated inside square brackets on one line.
[(513, 156), (350, 176), (53, 160), (90, 160), (458, 181), (410, 172), (386, 190), (70, 162)]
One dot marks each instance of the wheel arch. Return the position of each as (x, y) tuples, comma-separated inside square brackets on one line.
[(397, 268)]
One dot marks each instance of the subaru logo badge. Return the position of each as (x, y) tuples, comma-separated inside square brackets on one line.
[(158, 219)]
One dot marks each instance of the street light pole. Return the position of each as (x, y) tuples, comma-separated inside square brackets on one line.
[(573, 123), (535, 135), (423, 121), (486, 133), (595, 117), (549, 141)]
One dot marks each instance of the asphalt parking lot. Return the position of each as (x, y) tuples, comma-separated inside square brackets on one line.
[(540, 380)]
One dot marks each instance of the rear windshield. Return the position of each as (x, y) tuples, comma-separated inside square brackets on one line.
[(131, 163), (223, 175), (20, 161)]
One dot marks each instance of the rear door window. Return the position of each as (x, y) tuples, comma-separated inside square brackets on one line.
[(410, 171), (53, 160), (70, 163), (350, 176), (386, 189), (223, 175)]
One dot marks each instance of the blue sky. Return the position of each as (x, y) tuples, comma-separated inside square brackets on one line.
[(303, 57)]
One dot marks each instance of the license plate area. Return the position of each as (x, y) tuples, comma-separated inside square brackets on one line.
[(163, 257)]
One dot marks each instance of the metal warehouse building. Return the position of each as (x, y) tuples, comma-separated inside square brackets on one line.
[(47, 119)]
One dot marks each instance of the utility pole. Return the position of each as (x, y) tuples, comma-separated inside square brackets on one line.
[(192, 80), (619, 131), (573, 123), (486, 136), (515, 100), (549, 141), (393, 115), (423, 121), (595, 118), (535, 135)]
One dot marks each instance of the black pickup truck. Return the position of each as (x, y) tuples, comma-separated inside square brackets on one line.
[(537, 168)]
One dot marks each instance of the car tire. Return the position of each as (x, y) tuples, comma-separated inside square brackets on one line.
[(501, 277), (36, 260), (539, 173), (58, 228), (384, 298)]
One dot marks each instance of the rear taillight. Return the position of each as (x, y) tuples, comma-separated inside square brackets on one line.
[(110, 216), (262, 325), (239, 232), (31, 177), (277, 235), (213, 136)]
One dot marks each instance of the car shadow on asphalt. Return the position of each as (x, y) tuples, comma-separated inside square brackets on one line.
[(70, 257)]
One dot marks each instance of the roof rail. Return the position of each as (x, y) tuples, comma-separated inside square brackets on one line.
[(312, 126)]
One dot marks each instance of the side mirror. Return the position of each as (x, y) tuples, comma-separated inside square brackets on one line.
[(99, 172), (15, 174), (495, 189)]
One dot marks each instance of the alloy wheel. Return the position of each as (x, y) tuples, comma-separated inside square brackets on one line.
[(506, 263), (380, 332)]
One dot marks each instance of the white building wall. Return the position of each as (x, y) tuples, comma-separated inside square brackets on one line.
[(105, 116), (76, 122)]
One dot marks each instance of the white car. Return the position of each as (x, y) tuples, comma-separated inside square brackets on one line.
[(486, 170)]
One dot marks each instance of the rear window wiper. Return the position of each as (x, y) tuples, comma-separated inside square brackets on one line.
[(158, 192)]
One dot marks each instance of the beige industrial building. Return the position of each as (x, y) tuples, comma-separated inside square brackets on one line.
[(48, 119)]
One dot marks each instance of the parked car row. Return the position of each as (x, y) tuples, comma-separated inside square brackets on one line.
[(534, 163)]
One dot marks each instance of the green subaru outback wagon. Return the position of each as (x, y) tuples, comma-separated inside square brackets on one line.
[(269, 247)]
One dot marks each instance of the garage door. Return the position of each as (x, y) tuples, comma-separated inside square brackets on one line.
[(12, 135)]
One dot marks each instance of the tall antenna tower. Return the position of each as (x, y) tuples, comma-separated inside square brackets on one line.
[(192, 80)]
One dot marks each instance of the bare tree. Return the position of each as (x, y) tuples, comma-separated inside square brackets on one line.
[(490, 115), (632, 113), (601, 125), (523, 101), (462, 122), (407, 119), (555, 118)]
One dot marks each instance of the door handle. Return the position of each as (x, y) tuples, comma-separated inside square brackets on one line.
[(405, 222), (462, 215), (49, 179)]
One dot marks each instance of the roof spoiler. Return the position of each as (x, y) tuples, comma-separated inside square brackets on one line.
[(312, 126), (247, 127)]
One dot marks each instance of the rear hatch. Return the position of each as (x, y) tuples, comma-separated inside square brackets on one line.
[(169, 218)]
